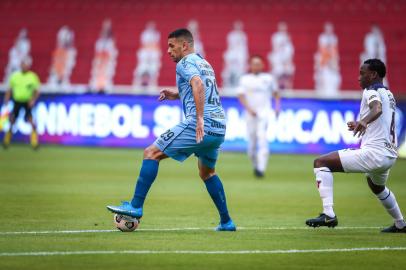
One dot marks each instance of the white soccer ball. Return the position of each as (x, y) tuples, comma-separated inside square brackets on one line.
[(126, 223)]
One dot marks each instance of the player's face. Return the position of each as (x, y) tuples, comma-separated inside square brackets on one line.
[(25, 66), (175, 49), (366, 76), (256, 65)]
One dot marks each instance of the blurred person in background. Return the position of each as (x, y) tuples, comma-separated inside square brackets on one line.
[(63, 59), (281, 57), (148, 58), (374, 47), (24, 91), (327, 68), (105, 60), (17, 53), (236, 55), (255, 92), (193, 27)]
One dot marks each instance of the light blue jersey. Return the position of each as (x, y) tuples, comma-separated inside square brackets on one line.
[(214, 117), (179, 142)]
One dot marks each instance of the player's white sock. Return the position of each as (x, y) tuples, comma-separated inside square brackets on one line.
[(388, 201), (324, 179)]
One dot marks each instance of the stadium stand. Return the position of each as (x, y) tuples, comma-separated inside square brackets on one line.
[(352, 20)]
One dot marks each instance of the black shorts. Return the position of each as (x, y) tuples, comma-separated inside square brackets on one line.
[(17, 108)]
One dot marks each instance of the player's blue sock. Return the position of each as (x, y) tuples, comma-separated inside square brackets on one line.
[(216, 191), (148, 173)]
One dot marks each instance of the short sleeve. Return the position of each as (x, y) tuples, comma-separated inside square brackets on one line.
[(372, 95), (11, 81), (36, 81), (187, 70), (273, 85), (241, 86)]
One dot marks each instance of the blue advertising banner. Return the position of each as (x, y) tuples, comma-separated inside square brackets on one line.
[(303, 126)]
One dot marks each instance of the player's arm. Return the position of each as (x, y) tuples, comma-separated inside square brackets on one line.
[(244, 103), (36, 82), (170, 94), (359, 127), (199, 98), (34, 99), (7, 96)]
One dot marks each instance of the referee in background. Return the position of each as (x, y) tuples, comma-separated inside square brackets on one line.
[(23, 89)]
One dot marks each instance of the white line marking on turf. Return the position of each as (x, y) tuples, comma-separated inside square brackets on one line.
[(277, 251), (184, 229)]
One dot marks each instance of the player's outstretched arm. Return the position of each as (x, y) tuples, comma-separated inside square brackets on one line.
[(199, 97), (244, 103), (375, 110), (7, 97), (170, 94), (34, 99)]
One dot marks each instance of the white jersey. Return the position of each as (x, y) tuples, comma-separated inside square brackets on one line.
[(258, 89), (380, 134)]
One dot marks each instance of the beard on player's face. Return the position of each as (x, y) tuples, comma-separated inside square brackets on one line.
[(365, 78), (175, 50)]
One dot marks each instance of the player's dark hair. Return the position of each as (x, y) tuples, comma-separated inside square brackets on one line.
[(376, 65), (182, 33)]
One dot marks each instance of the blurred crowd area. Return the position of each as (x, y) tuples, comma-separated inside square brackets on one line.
[(120, 46)]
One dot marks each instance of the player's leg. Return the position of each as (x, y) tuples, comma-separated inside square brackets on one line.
[(376, 182), (34, 136), (148, 173), (12, 119), (263, 148), (217, 194), (149, 170), (252, 140), (324, 166)]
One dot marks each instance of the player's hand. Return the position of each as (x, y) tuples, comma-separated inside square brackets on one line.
[(167, 94), (199, 130), (31, 103), (360, 128), (351, 125), (252, 112)]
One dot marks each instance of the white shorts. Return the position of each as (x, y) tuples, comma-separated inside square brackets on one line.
[(375, 164)]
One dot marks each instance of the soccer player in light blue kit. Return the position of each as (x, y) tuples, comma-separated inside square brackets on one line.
[(201, 133)]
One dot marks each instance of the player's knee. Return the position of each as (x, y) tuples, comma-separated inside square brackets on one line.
[(206, 174), (12, 120), (318, 162), (376, 189), (151, 152)]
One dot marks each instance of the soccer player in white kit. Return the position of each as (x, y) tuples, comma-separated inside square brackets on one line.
[(376, 155), (255, 91)]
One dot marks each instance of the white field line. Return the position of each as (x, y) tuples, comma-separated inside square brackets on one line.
[(276, 251), (184, 229)]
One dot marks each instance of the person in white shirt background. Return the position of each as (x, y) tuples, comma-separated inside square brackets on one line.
[(19, 51), (374, 47), (149, 54), (193, 27), (63, 59), (327, 67), (105, 60), (255, 92), (281, 57), (236, 55)]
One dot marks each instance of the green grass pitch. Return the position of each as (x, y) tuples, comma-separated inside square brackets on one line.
[(66, 189)]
